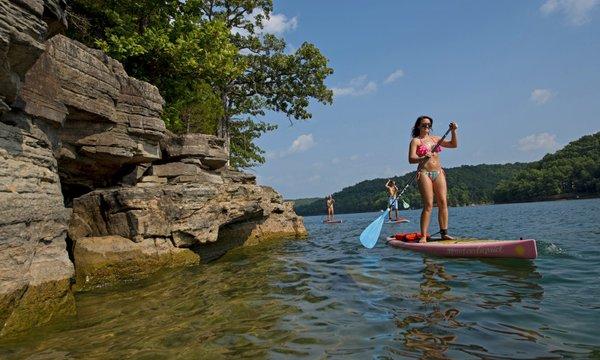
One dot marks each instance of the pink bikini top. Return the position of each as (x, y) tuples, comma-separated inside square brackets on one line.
[(424, 149)]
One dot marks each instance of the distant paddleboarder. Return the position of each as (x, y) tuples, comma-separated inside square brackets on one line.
[(431, 177), (330, 203), (392, 201)]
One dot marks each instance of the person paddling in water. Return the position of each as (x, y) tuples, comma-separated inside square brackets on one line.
[(330, 202), (430, 175), (392, 201)]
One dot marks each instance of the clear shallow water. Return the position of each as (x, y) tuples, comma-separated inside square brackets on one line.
[(327, 297)]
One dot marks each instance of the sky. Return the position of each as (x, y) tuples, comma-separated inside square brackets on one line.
[(520, 78)]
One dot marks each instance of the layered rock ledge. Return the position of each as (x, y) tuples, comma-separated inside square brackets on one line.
[(93, 188), (180, 214)]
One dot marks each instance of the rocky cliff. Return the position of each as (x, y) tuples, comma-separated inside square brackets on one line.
[(93, 188), (35, 269)]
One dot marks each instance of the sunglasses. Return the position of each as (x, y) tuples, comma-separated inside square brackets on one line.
[(426, 126)]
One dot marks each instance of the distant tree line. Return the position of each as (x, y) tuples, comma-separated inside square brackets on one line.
[(570, 172), (468, 185)]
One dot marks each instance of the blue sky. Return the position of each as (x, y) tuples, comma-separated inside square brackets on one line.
[(521, 79)]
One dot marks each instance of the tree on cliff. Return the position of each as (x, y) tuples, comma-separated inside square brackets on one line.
[(213, 62)]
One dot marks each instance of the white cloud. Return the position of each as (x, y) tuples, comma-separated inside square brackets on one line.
[(357, 87), (394, 76), (538, 141), (302, 143), (577, 12), (276, 24), (541, 96)]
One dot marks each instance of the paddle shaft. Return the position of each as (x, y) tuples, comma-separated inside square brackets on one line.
[(419, 168)]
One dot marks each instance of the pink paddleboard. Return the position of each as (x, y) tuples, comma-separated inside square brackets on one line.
[(519, 249), (332, 221), (399, 221)]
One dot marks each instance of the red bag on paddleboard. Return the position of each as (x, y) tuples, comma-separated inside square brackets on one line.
[(408, 237)]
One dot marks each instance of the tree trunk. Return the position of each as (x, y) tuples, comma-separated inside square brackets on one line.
[(223, 128), (186, 120), (223, 132)]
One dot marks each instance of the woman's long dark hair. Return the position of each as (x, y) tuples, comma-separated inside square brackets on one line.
[(415, 129)]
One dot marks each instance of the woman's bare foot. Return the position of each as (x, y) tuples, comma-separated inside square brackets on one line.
[(423, 239)]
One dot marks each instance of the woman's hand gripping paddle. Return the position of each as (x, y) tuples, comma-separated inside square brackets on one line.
[(370, 235)]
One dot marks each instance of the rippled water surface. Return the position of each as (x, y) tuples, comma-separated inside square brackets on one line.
[(327, 297)]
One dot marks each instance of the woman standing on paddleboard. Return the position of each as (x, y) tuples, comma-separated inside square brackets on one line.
[(424, 150), (330, 203)]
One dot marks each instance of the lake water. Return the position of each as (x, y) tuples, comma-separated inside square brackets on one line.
[(328, 297)]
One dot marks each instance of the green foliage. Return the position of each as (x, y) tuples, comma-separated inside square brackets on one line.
[(575, 169), (246, 153), (197, 110), (214, 66), (466, 185), (272, 79), (306, 201), (170, 46)]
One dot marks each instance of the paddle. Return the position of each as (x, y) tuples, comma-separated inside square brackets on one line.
[(405, 204), (370, 235)]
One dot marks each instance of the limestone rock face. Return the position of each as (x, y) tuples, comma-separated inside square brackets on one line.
[(24, 26), (208, 150), (34, 265), (35, 269), (180, 205), (22, 32), (107, 121), (282, 222), (55, 16), (188, 213), (204, 219), (100, 260)]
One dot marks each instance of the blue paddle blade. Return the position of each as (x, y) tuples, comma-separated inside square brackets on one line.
[(370, 235), (405, 204)]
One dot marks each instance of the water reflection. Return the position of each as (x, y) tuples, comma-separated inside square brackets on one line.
[(518, 282), (429, 332), (434, 330)]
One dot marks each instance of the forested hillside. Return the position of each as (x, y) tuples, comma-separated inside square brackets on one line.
[(468, 185), (570, 172)]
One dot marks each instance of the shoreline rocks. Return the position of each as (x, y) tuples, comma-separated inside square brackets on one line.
[(183, 217), (93, 189), (109, 259)]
